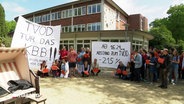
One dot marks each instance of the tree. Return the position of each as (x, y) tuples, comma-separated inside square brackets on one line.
[(162, 37), (3, 31), (176, 21), (159, 22), (10, 25)]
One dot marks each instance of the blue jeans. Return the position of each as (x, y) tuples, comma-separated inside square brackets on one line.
[(153, 72), (174, 69)]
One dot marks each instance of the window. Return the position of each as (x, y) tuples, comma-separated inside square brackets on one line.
[(69, 29), (75, 28), (58, 15), (38, 19), (83, 28), (67, 13), (44, 18), (83, 10), (70, 13), (80, 27), (89, 27), (80, 11), (94, 26), (48, 17), (98, 8), (75, 12), (53, 16), (66, 29), (89, 9), (95, 8), (67, 43)]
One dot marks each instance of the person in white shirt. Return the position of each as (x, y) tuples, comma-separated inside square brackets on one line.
[(64, 69)]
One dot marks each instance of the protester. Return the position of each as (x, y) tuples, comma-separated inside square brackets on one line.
[(138, 64), (152, 67), (43, 71), (85, 69), (64, 69), (95, 68), (63, 53), (72, 56), (120, 70), (132, 67), (182, 65), (164, 60), (54, 69), (87, 56), (175, 65), (143, 68), (80, 60)]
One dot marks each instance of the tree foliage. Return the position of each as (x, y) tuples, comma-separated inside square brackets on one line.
[(162, 37), (3, 30), (169, 31), (10, 26), (176, 21)]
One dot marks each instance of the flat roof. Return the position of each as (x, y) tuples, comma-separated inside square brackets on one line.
[(117, 32)]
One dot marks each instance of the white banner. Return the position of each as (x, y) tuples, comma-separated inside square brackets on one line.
[(108, 54), (42, 42)]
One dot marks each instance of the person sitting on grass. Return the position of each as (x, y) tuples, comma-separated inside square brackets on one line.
[(54, 69), (120, 70), (64, 69), (95, 68), (85, 69)]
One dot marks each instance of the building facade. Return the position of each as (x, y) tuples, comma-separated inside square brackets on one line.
[(84, 21)]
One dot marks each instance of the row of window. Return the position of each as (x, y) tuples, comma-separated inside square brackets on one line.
[(82, 27), (87, 43), (79, 11)]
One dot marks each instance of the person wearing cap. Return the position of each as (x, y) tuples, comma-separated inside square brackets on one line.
[(164, 68)]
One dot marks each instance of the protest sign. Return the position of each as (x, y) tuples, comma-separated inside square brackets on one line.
[(42, 42), (108, 54)]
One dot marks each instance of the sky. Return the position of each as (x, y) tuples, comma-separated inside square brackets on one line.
[(152, 9)]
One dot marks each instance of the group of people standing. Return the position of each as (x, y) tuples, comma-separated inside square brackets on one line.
[(164, 65), (152, 66), (72, 64)]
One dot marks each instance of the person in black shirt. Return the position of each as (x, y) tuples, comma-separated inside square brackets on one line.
[(164, 68)]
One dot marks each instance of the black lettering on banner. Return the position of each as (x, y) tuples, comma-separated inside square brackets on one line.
[(104, 46), (119, 47), (117, 61), (47, 41), (107, 60), (102, 53), (124, 53), (27, 37), (113, 53), (43, 52), (49, 31), (113, 47), (42, 30), (35, 50)]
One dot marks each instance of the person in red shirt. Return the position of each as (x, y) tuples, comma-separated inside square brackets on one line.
[(63, 53), (72, 59)]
